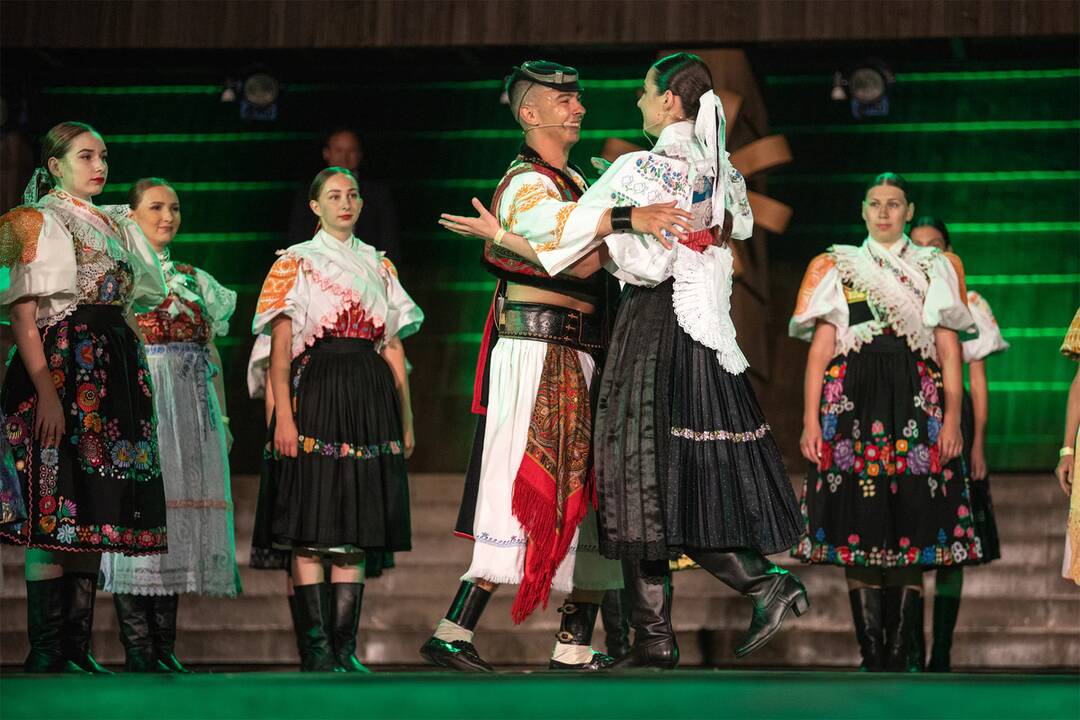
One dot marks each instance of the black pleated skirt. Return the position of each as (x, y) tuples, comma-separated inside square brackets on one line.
[(880, 497), (982, 506), (347, 490), (684, 457)]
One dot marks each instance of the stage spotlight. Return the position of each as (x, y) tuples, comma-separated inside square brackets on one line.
[(867, 86)]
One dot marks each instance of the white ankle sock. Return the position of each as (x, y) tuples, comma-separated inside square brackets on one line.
[(450, 631), (572, 654)]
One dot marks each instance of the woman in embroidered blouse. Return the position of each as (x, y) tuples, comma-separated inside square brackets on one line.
[(334, 482), (927, 231), (77, 395), (193, 437), (885, 496), (685, 461)]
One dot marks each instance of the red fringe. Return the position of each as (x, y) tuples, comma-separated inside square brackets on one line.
[(534, 506)]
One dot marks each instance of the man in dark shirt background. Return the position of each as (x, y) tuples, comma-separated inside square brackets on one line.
[(378, 222)]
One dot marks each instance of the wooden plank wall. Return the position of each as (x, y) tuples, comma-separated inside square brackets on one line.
[(457, 23)]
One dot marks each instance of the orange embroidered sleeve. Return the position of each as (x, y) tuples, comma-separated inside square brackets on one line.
[(818, 268), (958, 266), (19, 232), (390, 268), (277, 285)]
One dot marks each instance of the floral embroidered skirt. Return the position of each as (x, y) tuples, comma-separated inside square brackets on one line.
[(880, 496), (198, 497), (101, 490), (12, 503), (347, 490), (683, 455), (982, 506)]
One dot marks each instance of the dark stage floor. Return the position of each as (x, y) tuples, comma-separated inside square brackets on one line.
[(657, 696)]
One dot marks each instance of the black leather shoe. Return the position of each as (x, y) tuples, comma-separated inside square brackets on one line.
[(133, 614), (45, 626), (946, 610), (465, 610), (599, 661), (345, 602), (576, 628), (457, 655), (313, 615), (649, 591), (773, 590), (867, 612), (163, 632), (901, 624), (614, 616), (80, 591)]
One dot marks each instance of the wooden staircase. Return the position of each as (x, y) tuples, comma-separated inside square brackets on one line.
[(1018, 613)]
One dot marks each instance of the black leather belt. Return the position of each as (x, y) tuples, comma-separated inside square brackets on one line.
[(550, 323)]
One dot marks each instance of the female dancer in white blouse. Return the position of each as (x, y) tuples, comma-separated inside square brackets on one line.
[(334, 482), (886, 496), (193, 435), (77, 395)]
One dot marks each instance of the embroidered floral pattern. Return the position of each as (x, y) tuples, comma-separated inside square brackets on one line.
[(353, 322), (343, 450), (727, 435), (878, 463)]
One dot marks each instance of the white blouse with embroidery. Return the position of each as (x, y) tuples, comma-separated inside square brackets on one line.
[(65, 252), (314, 282), (990, 342), (681, 168), (910, 289)]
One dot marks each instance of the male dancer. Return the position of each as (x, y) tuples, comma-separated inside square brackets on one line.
[(529, 492)]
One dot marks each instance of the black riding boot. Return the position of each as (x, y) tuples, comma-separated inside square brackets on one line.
[(867, 613), (946, 609), (648, 588), (313, 619), (45, 626), (133, 614), (346, 600), (614, 615), (164, 609), (576, 628), (773, 590), (465, 610), (80, 590), (901, 624)]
